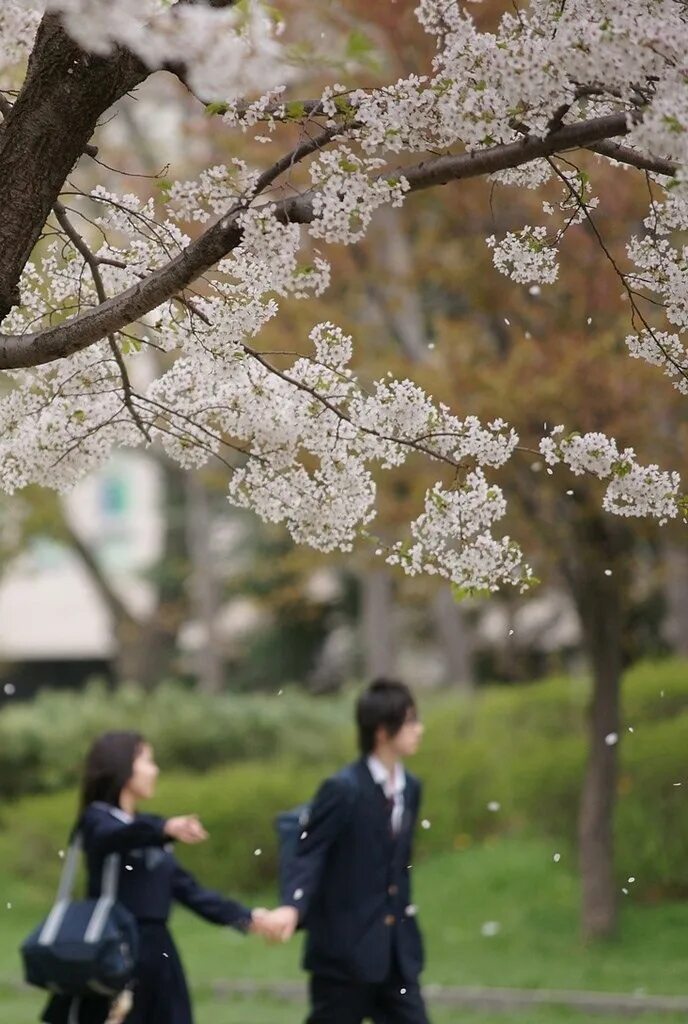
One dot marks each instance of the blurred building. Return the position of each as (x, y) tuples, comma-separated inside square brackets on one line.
[(55, 626)]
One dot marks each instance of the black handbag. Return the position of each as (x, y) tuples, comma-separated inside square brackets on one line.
[(84, 946)]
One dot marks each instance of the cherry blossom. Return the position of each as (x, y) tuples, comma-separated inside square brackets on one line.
[(149, 360)]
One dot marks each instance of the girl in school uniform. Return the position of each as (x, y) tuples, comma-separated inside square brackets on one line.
[(120, 771)]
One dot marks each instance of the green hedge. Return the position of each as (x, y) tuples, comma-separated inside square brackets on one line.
[(523, 748), (42, 743)]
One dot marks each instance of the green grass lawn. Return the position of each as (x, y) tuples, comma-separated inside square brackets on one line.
[(512, 882)]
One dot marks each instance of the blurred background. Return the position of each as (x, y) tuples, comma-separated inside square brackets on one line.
[(144, 599)]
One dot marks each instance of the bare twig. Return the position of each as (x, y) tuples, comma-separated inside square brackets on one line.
[(413, 443), (91, 260), (630, 292)]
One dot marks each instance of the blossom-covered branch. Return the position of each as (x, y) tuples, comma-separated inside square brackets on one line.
[(82, 311), (219, 240)]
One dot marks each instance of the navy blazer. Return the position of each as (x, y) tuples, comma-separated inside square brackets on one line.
[(350, 881), (150, 878)]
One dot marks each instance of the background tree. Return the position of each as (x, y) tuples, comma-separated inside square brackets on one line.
[(306, 435)]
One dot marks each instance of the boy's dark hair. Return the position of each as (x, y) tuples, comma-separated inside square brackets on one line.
[(385, 702)]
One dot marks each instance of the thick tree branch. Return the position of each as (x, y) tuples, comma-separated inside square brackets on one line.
[(203, 253), (47, 129), (626, 155)]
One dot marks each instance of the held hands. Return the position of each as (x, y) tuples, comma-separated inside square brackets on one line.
[(275, 925), (186, 829)]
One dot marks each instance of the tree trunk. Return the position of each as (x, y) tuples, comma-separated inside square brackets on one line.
[(602, 627), (145, 651), (598, 575), (147, 648), (203, 586), (676, 595), (398, 294), (377, 613), (454, 638), (64, 93)]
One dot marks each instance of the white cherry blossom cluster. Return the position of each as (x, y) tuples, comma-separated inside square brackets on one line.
[(309, 436), (226, 51), (271, 250), (303, 442), (265, 110), (659, 348), (660, 272), (213, 192), (18, 23), (633, 490), (533, 65), (453, 538), (61, 421), (662, 129), (527, 256), (347, 194), (57, 283)]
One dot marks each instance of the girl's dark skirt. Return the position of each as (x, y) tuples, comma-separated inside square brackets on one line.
[(161, 995)]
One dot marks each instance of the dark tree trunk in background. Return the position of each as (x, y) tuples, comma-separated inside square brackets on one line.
[(147, 648), (455, 641), (203, 586), (676, 596), (598, 571), (602, 628), (377, 623)]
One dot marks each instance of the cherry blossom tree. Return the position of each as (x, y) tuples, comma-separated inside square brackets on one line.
[(93, 281)]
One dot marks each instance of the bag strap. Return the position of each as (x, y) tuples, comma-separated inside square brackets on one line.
[(65, 889), (65, 892)]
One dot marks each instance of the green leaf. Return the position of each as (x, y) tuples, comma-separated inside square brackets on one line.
[(359, 47), (463, 593), (343, 106), (276, 16), (673, 124), (295, 110), (216, 108)]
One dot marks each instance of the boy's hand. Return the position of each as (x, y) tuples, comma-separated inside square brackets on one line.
[(284, 921), (274, 925), (262, 924)]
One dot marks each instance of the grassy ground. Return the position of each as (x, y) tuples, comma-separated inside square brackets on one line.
[(512, 882)]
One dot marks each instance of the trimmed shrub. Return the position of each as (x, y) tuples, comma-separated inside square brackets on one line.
[(509, 762), (42, 744)]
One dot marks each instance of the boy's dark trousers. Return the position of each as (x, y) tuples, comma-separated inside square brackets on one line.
[(393, 1001)]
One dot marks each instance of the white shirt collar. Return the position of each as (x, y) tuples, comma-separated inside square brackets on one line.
[(116, 812), (394, 786)]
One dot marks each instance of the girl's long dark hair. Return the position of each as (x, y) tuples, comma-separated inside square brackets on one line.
[(109, 766)]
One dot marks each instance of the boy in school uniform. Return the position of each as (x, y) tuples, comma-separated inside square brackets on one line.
[(349, 883)]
